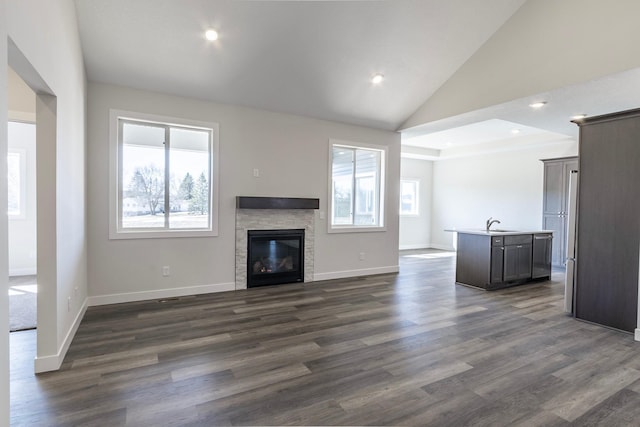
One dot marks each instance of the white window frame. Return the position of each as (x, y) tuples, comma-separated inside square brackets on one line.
[(22, 171), (351, 228), (115, 231), (416, 182)]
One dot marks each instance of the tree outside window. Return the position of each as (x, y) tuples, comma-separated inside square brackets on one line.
[(164, 178)]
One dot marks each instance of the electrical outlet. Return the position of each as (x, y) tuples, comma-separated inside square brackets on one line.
[(321, 214), (165, 271), (256, 173), (361, 256)]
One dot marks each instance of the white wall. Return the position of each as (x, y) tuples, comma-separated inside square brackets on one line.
[(415, 231), (504, 185), (22, 100), (545, 45), (45, 35), (291, 153), (4, 241), (22, 230)]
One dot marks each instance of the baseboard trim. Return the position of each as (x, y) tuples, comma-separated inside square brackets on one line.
[(442, 247), (22, 271), (159, 293), (354, 273), (53, 362), (414, 246), (636, 336)]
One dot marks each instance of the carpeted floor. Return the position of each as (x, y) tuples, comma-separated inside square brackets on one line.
[(22, 303)]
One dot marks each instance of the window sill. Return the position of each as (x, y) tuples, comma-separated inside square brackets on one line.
[(165, 234), (356, 229)]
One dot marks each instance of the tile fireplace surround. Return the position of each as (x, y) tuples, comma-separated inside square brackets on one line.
[(273, 213)]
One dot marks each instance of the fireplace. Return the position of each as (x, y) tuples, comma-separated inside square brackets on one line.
[(275, 257), (274, 213)]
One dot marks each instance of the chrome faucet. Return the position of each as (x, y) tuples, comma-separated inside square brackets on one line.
[(490, 222)]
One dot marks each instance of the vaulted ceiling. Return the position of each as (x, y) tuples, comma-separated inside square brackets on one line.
[(312, 58), (456, 72)]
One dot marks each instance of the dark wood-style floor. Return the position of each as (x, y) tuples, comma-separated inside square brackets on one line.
[(407, 349)]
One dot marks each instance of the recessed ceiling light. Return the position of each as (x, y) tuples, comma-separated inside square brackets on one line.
[(539, 104), (515, 131), (211, 35), (578, 117), (377, 79)]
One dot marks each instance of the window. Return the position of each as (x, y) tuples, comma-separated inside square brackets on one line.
[(357, 187), (165, 174), (15, 183), (409, 197), (21, 140)]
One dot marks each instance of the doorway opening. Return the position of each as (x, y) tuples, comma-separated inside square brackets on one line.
[(41, 112), (21, 204)]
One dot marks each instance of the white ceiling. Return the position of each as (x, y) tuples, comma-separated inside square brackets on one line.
[(488, 126), (474, 134), (488, 136), (316, 58), (312, 58)]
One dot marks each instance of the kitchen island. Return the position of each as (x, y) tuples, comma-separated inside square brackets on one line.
[(497, 259)]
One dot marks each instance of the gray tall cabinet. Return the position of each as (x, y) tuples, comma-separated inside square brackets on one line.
[(555, 202), (608, 227)]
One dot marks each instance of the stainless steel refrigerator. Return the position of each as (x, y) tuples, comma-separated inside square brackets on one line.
[(569, 283)]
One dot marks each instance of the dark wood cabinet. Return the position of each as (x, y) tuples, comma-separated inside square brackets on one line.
[(497, 264), (517, 262), (555, 203), (517, 257), (608, 227), (491, 261)]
